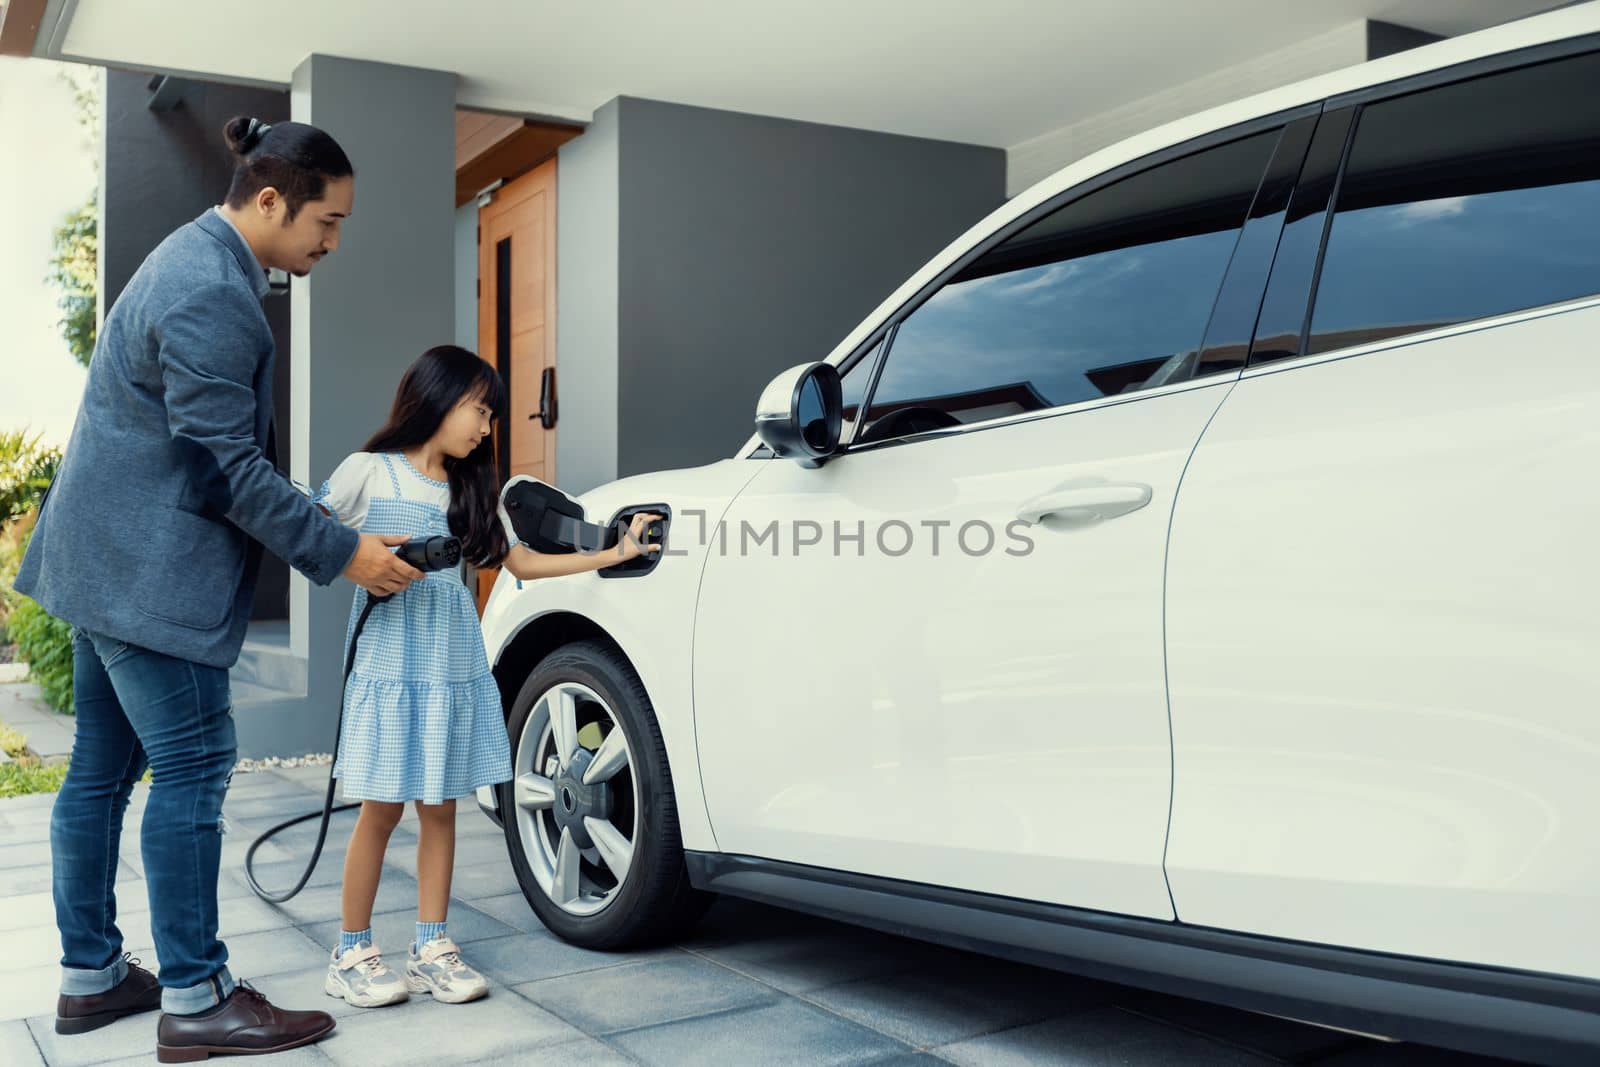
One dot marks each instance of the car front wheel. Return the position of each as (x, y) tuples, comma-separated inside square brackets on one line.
[(591, 820)]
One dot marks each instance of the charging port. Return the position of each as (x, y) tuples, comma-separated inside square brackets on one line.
[(655, 534)]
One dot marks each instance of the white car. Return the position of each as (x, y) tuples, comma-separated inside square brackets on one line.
[(1190, 578)]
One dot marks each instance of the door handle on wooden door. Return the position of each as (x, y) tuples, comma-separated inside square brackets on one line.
[(1086, 503), (547, 399)]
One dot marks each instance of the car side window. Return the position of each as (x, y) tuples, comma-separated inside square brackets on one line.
[(1462, 202), (1108, 294), (854, 383)]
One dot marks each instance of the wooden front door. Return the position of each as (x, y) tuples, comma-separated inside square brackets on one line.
[(517, 320)]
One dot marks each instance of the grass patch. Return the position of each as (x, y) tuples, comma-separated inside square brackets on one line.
[(12, 742), (29, 774), (25, 777)]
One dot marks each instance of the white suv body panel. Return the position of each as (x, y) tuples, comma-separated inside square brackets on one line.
[(1484, 867), (994, 720), (1382, 649), (652, 619)]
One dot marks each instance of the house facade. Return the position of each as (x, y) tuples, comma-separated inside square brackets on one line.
[(638, 213)]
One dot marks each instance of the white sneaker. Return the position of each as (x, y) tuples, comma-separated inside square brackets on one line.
[(437, 969), (361, 979)]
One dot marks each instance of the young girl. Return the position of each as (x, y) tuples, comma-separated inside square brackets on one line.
[(422, 715)]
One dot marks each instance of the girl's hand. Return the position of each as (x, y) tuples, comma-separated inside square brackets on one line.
[(526, 564), (631, 545)]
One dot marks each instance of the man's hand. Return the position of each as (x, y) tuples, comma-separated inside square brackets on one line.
[(379, 571)]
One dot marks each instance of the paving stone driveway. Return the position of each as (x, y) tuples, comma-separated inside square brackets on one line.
[(753, 986)]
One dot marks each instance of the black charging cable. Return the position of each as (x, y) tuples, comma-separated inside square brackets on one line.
[(425, 554)]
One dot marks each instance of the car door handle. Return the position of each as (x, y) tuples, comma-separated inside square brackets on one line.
[(1086, 503)]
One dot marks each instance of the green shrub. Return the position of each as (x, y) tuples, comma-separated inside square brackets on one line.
[(26, 469), (74, 270), (14, 537), (20, 779), (44, 642), (12, 743)]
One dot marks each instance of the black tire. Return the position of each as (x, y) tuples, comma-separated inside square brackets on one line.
[(655, 903)]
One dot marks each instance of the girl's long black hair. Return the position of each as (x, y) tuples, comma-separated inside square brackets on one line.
[(430, 390)]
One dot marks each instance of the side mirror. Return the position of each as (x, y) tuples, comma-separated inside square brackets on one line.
[(801, 413)]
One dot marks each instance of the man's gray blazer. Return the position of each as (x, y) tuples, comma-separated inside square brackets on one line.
[(152, 532)]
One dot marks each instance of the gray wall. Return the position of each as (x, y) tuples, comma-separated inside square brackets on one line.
[(466, 267), (358, 320), (749, 244), (587, 305), (162, 169)]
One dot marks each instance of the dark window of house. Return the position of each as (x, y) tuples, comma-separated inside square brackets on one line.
[(1106, 295), (502, 337), (1470, 200)]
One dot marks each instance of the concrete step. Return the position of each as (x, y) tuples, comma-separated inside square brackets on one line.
[(270, 665), (244, 692), (49, 734)]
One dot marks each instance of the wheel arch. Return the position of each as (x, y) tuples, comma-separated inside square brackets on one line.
[(540, 637)]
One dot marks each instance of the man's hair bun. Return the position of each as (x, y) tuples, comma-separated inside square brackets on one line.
[(244, 134)]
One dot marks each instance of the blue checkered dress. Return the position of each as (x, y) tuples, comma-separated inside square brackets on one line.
[(422, 718)]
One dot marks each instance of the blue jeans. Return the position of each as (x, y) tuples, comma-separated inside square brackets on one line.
[(139, 708)]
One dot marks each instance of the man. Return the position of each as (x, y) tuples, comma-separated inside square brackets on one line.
[(148, 544)]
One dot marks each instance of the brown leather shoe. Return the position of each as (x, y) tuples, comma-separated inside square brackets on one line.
[(138, 992), (245, 1024)]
